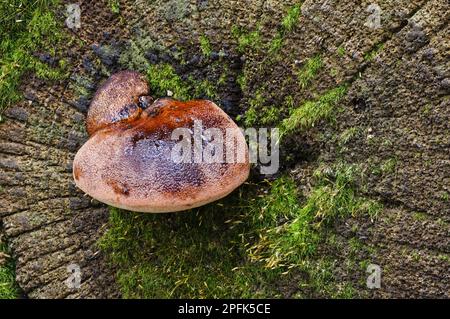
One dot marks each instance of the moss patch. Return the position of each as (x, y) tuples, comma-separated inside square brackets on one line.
[(193, 254), (26, 28), (115, 6), (246, 39), (333, 197), (242, 246), (309, 70), (8, 286), (341, 51), (205, 46), (369, 56), (311, 112), (287, 25), (291, 18), (163, 80), (261, 113)]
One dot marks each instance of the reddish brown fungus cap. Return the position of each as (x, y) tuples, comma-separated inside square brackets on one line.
[(128, 161)]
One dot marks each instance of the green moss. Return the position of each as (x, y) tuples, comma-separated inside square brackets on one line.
[(276, 43), (246, 39), (388, 166), (309, 70), (162, 78), (270, 116), (289, 102), (286, 244), (241, 246), (341, 51), (260, 114), (287, 25), (416, 255), (420, 216), (205, 89), (252, 39), (311, 112), (255, 105), (355, 246), (347, 135), (291, 18), (369, 56), (385, 167), (224, 76), (242, 81), (81, 86), (197, 254), (115, 6), (334, 72), (335, 195), (8, 286), (133, 57), (25, 28), (250, 117), (192, 254), (322, 281), (427, 108), (44, 71), (205, 46)]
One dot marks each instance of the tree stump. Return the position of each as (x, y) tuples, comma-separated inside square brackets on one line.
[(396, 67)]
